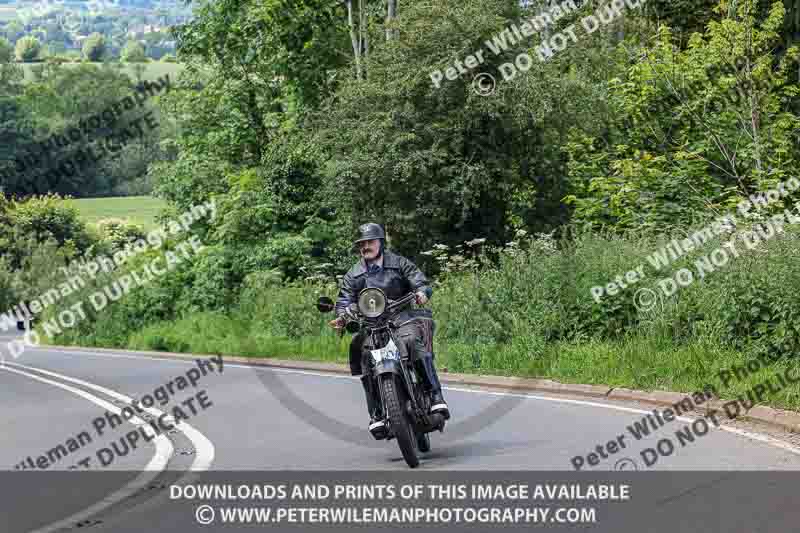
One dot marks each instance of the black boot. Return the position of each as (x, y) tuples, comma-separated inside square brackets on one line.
[(376, 424), (438, 405)]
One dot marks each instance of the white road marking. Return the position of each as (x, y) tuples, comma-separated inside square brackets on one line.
[(203, 446), (163, 445), (766, 439), (158, 463)]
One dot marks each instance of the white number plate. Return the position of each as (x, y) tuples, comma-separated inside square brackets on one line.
[(390, 351)]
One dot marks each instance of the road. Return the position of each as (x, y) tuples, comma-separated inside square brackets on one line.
[(241, 418)]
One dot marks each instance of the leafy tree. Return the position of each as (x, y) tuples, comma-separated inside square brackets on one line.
[(14, 30), (133, 53), (692, 128), (299, 42), (6, 51), (56, 104), (94, 47), (28, 49)]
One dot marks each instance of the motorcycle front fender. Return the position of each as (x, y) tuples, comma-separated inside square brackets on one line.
[(388, 366)]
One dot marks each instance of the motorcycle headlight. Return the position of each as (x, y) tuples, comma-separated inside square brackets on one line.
[(372, 302)]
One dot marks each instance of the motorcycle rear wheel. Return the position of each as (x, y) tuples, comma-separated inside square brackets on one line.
[(401, 427)]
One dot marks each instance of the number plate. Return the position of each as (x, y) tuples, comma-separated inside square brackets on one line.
[(390, 351)]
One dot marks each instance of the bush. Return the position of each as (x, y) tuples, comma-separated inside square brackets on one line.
[(94, 47), (116, 233), (6, 51), (133, 52), (27, 49), (48, 217)]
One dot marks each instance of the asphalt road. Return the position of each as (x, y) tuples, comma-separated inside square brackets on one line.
[(261, 419)]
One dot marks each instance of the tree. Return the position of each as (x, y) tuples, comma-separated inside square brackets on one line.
[(28, 49), (6, 51), (133, 53), (94, 48), (139, 70), (692, 129), (14, 30)]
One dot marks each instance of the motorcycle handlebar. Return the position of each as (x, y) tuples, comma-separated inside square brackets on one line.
[(352, 313), (402, 301)]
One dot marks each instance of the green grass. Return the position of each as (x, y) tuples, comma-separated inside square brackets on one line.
[(137, 209), (637, 362), (532, 317), (153, 72)]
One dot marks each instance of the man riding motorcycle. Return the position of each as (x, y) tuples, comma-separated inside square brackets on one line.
[(396, 276)]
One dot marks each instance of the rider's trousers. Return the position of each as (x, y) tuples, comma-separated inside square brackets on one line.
[(415, 336)]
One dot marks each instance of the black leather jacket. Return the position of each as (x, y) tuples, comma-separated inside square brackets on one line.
[(398, 277)]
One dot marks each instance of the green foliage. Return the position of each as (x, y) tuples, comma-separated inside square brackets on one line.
[(94, 47), (8, 295), (299, 41), (39, 268), (6, 51), (133, 52), (60, 99), (692, 128), (49, 217), (28, 49), (117, 233), (426, 164), (683, 16), (634, 133)]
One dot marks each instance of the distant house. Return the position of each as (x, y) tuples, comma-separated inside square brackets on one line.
[(140, 30)]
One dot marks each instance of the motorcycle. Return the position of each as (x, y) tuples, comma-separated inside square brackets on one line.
[(399, 381)]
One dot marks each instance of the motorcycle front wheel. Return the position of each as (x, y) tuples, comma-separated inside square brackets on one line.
[(395, 400)]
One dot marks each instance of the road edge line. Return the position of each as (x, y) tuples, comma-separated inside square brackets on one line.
[(770, 416)]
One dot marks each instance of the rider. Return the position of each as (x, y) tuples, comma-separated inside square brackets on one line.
[(396, 276)]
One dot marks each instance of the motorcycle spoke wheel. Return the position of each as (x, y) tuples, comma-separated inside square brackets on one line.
[(401, 426)]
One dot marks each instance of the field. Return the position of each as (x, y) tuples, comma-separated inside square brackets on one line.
[(7, 14), (138, 209), (154, 70)]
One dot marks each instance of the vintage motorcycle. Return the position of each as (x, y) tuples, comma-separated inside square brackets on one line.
[(405, 403)]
